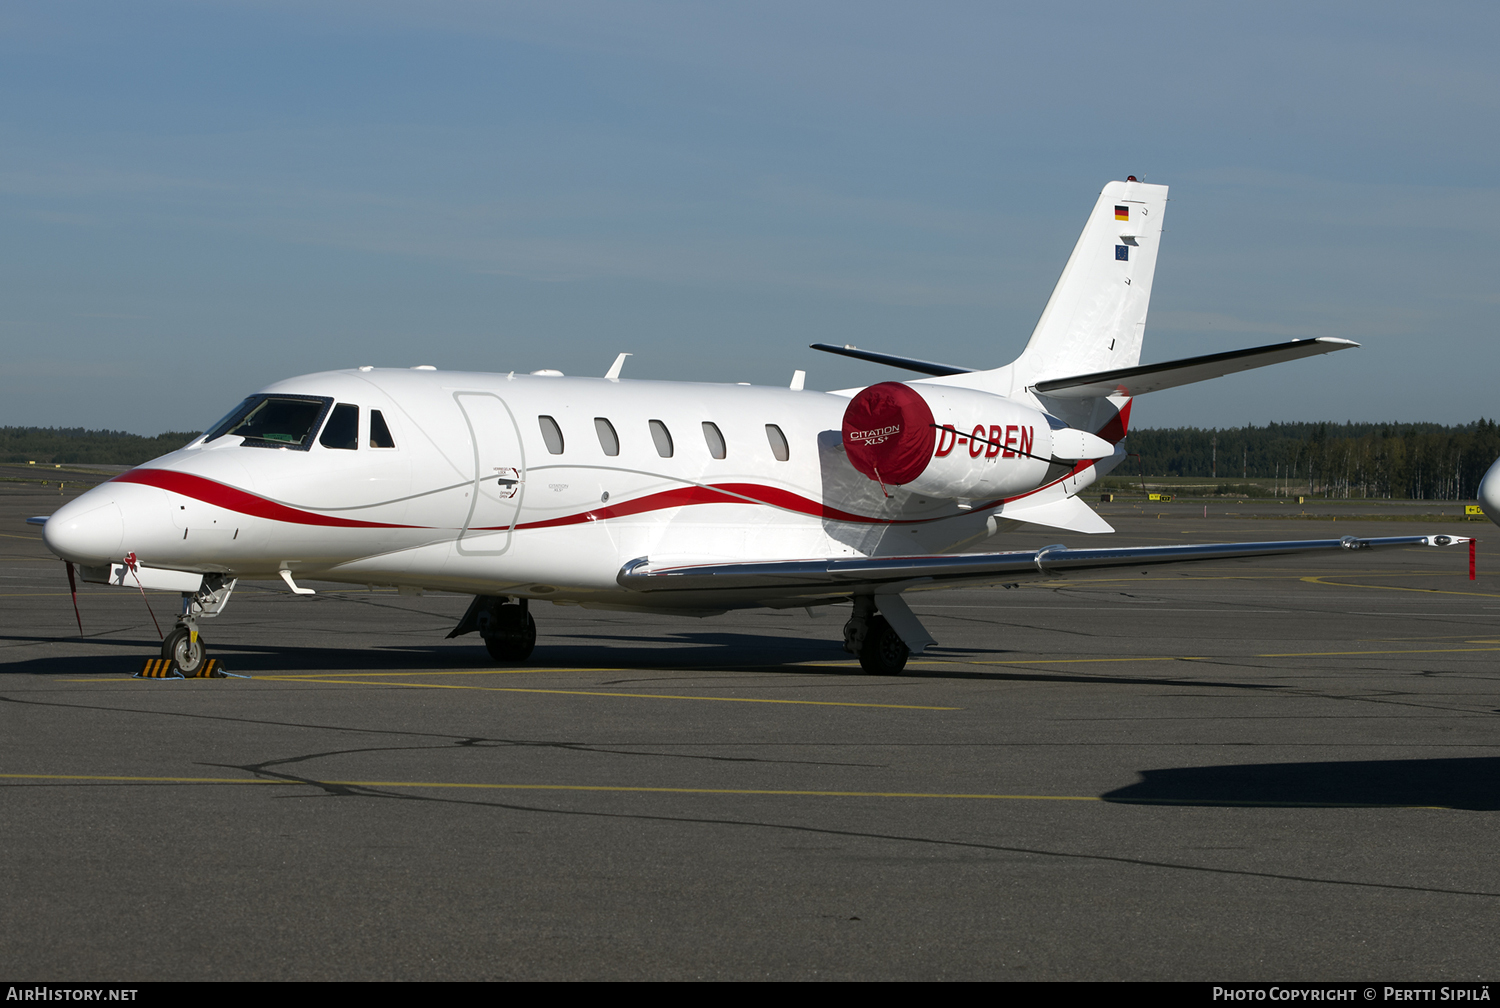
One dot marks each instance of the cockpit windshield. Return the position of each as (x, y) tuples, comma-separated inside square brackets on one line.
[(275, 421)]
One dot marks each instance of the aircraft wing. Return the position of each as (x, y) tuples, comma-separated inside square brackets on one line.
[(1134, 381), (793, 578)]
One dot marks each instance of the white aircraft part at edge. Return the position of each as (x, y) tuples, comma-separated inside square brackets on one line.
[(669, 497), (1489, 492)]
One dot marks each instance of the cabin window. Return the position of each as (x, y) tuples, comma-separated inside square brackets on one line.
[(608, 439), (715, 440), (662, 438), (551, 434), (380, 434), (275, 421), (779, 446), (342, 429)]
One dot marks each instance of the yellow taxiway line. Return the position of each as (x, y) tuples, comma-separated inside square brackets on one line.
[(601, 693), (626, 789), (120, 779), (519, 671), (1165, 658), (1319, 580), (1331, 654)]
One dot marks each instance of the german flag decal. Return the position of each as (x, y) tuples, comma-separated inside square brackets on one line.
[(1122, 213)]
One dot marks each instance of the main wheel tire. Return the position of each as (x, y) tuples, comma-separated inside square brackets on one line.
[(184, 652), (884, 652), (513, 648)]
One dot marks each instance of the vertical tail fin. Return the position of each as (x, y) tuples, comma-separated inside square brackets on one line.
[(1097, 313), (1096, 316)]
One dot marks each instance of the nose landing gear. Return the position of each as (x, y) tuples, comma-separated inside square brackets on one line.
[(184, 648)]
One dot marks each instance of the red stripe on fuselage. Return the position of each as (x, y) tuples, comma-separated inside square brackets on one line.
[(719, 493), (231, 499), (241, 501)]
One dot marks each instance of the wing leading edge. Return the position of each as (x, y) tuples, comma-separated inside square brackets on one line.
[(793, 578)]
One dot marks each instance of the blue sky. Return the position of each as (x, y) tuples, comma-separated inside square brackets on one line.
[(200, 198)]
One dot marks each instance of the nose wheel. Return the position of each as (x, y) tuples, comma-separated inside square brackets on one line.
[(186, 649)]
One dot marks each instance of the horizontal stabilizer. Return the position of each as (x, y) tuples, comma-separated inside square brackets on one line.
[(811, 578), (909, 363), (1068, 513), (1134, 381)]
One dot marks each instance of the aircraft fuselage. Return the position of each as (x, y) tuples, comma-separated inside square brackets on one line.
[(528, 485)]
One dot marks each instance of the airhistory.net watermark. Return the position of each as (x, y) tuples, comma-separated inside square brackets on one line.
[(48, 992)]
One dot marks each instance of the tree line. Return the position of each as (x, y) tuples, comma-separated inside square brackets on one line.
[(75, 445), (1420, 461)]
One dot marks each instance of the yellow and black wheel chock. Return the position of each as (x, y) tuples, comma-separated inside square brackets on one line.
[(210, 670), (159, 668), (166, 668)]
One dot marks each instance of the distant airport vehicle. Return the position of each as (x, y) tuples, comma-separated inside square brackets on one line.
[(672, 497)]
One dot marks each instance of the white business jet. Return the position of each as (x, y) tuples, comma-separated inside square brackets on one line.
[(671, 497)]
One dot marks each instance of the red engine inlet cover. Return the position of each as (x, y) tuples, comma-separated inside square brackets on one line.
[(888, 433)]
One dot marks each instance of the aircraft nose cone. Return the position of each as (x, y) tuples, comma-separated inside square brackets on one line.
[(89, 535), (1489, 493)]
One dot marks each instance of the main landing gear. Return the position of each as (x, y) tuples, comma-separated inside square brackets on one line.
[(869, 637), (508, 630)]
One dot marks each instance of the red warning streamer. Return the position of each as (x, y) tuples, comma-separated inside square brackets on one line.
[(1472, 543), (73, 589), (132, 563)]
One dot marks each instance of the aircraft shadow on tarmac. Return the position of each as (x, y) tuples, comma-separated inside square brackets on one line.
[(1471, 784), (694, 651), (767, 642)]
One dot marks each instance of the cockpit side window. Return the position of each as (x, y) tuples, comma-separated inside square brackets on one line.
[(276, 421), (380, 434), (342, 429), (228, 420)]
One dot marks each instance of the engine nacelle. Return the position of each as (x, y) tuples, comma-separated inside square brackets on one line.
[(956, 443)]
